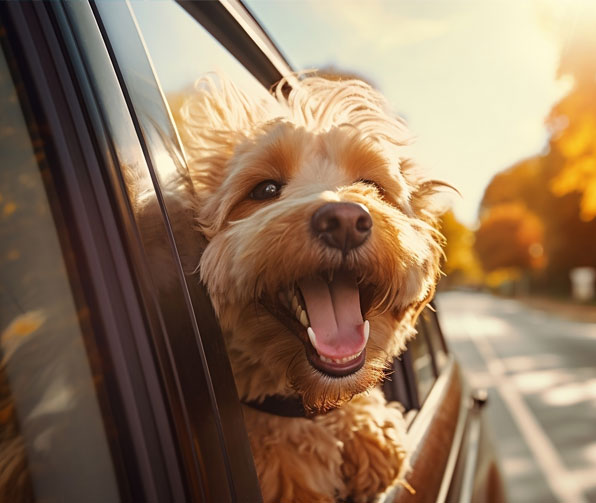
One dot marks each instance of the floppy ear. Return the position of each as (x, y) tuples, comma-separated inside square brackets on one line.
[(427, 205), (425, 197), (213, 120)]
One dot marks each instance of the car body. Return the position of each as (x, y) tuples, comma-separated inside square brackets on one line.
[(112, 385)]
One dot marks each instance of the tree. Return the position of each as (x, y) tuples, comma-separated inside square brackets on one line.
[(461, 265), (573, 120), (559, 185), (510, 236)]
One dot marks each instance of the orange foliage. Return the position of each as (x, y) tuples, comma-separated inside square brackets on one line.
[(573, 121), (461, 264), (556, 188), (510, 236), (577, 145)]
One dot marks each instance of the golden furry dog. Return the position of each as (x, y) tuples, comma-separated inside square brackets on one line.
[(322, 250)]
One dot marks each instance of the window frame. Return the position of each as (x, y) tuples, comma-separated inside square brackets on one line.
[(223, 457), (233, 25), (126, 323), (422, 338), (50, 99)]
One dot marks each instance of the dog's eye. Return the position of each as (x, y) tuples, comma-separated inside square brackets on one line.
[(373, 184), (266, 190)]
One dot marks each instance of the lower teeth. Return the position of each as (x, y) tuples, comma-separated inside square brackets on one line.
[(341, 360)]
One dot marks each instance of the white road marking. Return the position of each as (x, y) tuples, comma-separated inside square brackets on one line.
[(562, 482)]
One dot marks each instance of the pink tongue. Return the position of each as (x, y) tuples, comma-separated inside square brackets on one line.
[(334, 313)]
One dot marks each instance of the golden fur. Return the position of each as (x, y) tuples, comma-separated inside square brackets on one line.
[(327, 141)]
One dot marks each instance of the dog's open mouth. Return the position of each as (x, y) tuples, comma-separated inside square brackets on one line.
[(326, 314)]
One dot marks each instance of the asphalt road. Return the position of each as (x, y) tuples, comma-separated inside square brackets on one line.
[(540, 371)]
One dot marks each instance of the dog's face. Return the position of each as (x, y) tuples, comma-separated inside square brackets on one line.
[(320, 253)]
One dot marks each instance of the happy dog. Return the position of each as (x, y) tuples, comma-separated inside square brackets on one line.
[(321, 253)]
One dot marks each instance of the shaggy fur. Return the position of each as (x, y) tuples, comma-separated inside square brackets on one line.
[(325, 141)]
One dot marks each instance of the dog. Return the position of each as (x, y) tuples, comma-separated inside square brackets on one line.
[(322, 250)]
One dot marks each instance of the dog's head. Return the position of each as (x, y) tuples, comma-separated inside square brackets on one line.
[(322, 247)]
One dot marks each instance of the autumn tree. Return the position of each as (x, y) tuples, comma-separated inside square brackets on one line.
[(573, 123), (461, 265), (559, 185), (510, 236)]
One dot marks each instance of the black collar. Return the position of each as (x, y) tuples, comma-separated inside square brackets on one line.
[(286, 406)]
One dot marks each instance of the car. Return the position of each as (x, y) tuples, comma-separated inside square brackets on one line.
[(114, 380)]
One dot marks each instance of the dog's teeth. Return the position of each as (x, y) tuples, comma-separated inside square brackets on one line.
[(304, 318), (340, 360), (313, 340), (366, 331), (294, 303), (311, 336)]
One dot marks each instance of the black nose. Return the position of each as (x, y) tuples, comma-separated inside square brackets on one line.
[(342, 225)]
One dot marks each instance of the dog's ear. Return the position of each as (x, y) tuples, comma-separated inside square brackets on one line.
[(429, 198), (213, 119)]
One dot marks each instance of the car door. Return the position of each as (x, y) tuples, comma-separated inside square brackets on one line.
[(452, 457), (110, 159)]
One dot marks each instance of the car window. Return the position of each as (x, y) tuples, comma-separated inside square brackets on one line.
[(431, 325), (206, 409), (422, 363), (53, 443)]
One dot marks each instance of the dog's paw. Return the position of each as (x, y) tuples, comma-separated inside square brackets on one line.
[(372, 461), (375, 453), (297, 460)]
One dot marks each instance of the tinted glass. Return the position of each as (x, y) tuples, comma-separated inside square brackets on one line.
[(53, 446), (205, 405), (422, 363), (433, 331)]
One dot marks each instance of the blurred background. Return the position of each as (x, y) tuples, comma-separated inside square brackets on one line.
[(502, 99)]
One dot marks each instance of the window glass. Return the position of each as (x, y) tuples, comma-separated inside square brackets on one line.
[(193, 350), (53, 446), (422, 364), (167, 29), (431, 325)]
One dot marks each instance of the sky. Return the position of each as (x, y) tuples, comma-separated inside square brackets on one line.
[(475, 79)]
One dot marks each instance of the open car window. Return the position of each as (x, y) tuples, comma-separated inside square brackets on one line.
[(205, 405)]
